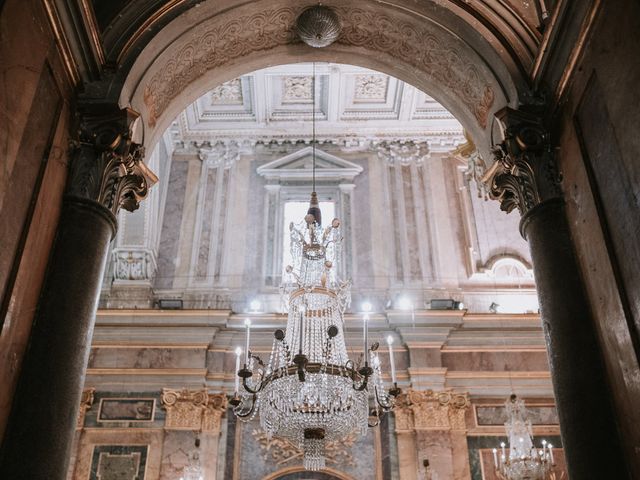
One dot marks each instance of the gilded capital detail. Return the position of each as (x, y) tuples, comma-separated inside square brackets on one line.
[(107, 166), (86, 401), (429, 410), (193, 409), (524, 173)]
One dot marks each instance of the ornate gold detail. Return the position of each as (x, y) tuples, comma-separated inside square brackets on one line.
[(86, 401), (524, 173), (410, 41), (107, 167), (429, 410), (281, 451), (193, 409)]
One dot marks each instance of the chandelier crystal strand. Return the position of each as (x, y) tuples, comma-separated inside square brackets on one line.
[(522, 461), (310, 392)]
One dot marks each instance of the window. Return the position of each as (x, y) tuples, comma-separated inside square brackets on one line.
[(295, 212)]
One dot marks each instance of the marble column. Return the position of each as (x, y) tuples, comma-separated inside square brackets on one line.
[(524, 176), (106, 173)]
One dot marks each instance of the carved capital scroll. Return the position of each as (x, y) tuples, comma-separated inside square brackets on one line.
[(86, 401), (429, 410), (107, 166), (193, 409), (524, 173)]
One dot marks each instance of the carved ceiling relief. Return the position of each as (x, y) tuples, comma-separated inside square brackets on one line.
[(229, 93), (403, 153), (297, 89), (193, 409), (226, 39), (371, 88), (429, 410)]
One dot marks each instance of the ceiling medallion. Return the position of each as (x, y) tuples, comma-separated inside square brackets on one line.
[(318, 26)]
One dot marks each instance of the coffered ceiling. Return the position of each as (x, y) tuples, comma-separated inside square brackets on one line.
[(353, 104)]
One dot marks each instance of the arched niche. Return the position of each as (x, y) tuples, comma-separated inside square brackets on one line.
[(209, 45)]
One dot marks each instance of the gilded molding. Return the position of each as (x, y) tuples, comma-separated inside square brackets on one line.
[(193, 409), (429, 410), (107, 166), (524, 173), (86, 401)]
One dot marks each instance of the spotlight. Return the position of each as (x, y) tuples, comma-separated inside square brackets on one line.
[(255, 305), (366, 307), (404, 303)]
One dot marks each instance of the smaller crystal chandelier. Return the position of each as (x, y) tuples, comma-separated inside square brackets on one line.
[(524, 461)]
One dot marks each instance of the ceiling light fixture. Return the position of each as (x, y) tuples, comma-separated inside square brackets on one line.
[(310, 392)]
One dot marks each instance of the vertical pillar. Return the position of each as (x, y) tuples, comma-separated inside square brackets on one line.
[(524, 176), (106, 174)]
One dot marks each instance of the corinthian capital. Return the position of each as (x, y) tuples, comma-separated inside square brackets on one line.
[(107, 166), (524, 173)]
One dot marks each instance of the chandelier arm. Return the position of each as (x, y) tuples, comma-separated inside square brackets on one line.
[(256, 390), (386, 403), (238, 409)]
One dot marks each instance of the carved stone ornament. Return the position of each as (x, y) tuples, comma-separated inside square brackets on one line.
[(403, 153), (281, 452), (193, 409), (524, 173), (106, 166), (86, 401), (132, 264), (429, 410), (227, 38)]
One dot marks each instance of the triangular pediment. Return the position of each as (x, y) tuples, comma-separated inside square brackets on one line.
[(299, 165)]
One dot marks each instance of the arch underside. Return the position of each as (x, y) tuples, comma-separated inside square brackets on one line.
[(192, 55)]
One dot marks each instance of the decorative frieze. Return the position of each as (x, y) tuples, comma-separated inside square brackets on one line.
[(131, 264), (524, 173), (107, 166), (429, 410), (193, 409)]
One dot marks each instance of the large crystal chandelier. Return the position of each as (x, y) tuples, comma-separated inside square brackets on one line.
[(524, 461), (309, 392)]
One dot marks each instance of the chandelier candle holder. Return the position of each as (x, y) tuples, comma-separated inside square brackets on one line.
[(309, 392), (523, 461)]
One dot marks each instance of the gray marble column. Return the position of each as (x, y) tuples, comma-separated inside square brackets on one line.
[(106, 173), (524, 176)]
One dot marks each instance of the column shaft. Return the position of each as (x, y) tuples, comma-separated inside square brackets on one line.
[(587, 419), (41, 427)]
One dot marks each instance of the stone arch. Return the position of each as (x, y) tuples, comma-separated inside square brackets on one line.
[(204, 47), (297, 473)]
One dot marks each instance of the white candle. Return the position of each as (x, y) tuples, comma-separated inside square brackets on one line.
[(365, 335), (550, 452), (502, 445), (247, 323), (238, 354), (495, 458), (391, 360)]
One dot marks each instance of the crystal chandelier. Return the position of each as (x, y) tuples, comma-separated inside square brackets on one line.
[(524, 461), (309, 392)]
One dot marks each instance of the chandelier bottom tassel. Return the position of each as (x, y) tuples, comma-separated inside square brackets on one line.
[(313, 449)]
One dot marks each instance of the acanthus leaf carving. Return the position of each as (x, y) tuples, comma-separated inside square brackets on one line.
[(193, 409), (429, 410), (524, 173), (107, 166)]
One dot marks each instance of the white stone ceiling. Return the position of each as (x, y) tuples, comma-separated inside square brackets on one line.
[(354, 106)]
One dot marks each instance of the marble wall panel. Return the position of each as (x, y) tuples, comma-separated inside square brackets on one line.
[(170, 235), (497, 415), (125, 410), (147, 358), (496, 361), (118, 462)]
